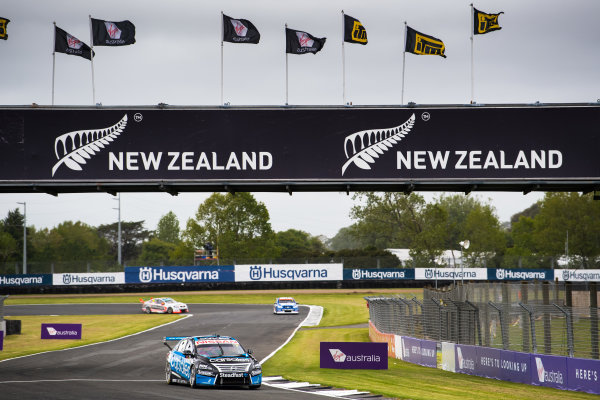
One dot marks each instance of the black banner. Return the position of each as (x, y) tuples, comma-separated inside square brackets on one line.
[(301, 148)]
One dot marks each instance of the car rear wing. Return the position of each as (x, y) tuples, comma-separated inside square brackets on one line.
[(168, 339)]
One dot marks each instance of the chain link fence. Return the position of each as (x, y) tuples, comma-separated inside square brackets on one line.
[(545, 318)]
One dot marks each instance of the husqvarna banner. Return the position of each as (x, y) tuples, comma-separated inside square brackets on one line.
[(96, 278), (449, 274), (319, 146), (222, 273), (289, 272), (577, 275), (520, 274), (360, 274)]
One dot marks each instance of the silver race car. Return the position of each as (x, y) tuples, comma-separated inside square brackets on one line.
[(163, 305)]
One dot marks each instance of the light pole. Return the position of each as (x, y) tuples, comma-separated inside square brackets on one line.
[(24, 235), (119, 230), (464, 245)]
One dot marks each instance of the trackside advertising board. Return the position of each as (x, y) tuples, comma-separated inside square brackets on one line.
[(26, 280), (222, 273), (354, 274), (353, 355), (86, 148), (61, 331), (448, 274), (289, 272), (520, 274), (577, 275), (95, 278)]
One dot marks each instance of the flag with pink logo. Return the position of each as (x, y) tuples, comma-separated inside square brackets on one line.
[(299, 42), (239, 31), (69, 44), (107, 33)]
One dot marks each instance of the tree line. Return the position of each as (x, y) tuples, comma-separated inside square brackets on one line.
[(560, 225)]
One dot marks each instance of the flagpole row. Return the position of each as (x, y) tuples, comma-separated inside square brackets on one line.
[(286, 71), (472, 63), (403, 64), (343, 63), (92, 61), (53, 62), (222, 103)]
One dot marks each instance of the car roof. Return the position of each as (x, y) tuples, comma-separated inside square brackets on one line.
[(285, 298)]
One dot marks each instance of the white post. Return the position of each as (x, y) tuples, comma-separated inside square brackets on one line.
[(403, 63), (92, 61), (222, 32), (119, 258), (472, 63), (343, 62), (24, 236), (286, 69), (53, 62)]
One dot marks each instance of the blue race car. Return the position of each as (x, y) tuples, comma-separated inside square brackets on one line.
[(285, 305), (211, 361)]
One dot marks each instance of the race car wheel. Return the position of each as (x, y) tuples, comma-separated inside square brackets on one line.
[(193, 377), (254, 387), (147, 310), (168, 374), (170, 311)]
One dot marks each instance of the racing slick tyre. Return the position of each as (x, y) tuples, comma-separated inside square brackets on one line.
[(147, 310), (193, 377), (168, 374), (254, 387), (169, 310)]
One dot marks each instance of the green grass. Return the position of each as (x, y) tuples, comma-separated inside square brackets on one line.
[(95, 328), (402, 380)]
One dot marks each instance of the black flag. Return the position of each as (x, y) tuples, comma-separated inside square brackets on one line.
[(3, 23), (299, 42), (354, 31), (484, 23), (239, 31), (419, 43), (108, 33), (69, 44)]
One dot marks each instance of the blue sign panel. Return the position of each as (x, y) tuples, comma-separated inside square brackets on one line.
[(378, 274), (520, 274), (26, 280), (223, 273)]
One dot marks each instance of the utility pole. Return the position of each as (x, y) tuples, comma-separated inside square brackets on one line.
[(24, 235), (119, 260)]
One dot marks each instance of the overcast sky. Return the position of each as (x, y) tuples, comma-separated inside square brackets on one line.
[(547, 51)]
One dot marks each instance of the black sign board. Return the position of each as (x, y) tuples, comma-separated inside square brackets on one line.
[(513, 148)]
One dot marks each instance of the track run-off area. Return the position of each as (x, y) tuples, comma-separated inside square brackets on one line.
[(133, 367)]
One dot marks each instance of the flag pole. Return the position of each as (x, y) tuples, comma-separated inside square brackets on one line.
[(286, 68), (222, 31), (472, 63), (92, 61), (343, 63), (53, 61), (403, 64)]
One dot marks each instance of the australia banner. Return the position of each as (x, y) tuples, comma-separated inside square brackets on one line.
[(301, 148)]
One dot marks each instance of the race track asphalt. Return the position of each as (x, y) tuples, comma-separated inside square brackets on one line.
[(133, 367)]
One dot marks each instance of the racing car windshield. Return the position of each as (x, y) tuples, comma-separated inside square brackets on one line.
[(286, 301), (219, 348), (169, 300)]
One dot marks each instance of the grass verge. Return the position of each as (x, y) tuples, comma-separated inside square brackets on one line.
[(95, 328)]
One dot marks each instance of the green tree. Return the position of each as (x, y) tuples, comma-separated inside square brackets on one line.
[(8, 247), (156, 250), (71, 241), (12, 224), (294, 243), (237, 225), (345, 239), (133, 235), (577, 214), (167, 229), (487, 240)]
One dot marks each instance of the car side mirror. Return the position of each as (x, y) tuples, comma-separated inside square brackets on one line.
[(249, 351)]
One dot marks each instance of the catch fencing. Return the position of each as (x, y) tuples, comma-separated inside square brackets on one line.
[(532, 317)]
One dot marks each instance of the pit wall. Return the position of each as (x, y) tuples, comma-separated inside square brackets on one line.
[(558, 372)]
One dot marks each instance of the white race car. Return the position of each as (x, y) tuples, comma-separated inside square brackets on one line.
[(285, 305), (163, 305)]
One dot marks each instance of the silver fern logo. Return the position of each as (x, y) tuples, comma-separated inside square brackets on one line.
[(368, 145), (73, 148)]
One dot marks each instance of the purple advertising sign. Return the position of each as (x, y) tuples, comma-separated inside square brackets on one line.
[(466, 359), (354, 355), (61, 331), (584, 375), (418, 351), (506, 365), (1, 340), (429, 353), (549, 371)]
